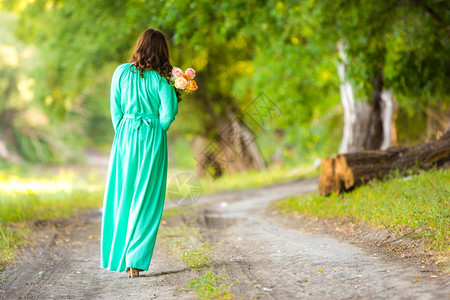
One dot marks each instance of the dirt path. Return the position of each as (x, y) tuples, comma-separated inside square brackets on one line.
[(267, 256)]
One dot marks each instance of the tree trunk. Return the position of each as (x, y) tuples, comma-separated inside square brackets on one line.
[(7, 137), (234, 149), (438, 121), (369, 127), (208, 162), (239, 146), (230, 145), (388, 115), (374, 137), (227, 144), (356, 113), (346, 171)]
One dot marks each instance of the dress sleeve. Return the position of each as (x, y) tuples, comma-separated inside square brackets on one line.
[(169, 104), (115, 101)]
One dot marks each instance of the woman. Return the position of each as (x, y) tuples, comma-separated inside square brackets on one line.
[(143, 105)]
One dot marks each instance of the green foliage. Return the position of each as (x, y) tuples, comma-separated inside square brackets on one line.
[(25, 198), (211, 286), (74, 39), (27, 128), (409, 40), (183, 242), (49, 205), (11, 239), (219, 40), (285, 49), (253, 178), (417, 206), (175, 211), (198, 257), (10, 61), (181, 154)]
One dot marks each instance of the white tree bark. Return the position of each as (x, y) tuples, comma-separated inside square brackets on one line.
[(347, 100), (356, 113), (388, 111)]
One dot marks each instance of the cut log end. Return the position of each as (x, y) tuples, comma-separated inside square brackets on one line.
[(346, 171), (336, 176)]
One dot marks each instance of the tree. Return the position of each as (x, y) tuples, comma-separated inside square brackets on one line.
[(212, 40), (394, 47), (282, 53), (9, 80), (75, 41)]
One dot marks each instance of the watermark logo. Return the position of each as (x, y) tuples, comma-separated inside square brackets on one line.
[(262, 110), (184, 189), (238, 135)]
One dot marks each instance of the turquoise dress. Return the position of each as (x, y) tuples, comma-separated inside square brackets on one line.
[(142, 110)]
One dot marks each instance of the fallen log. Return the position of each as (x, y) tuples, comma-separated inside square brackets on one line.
[(347, 171)]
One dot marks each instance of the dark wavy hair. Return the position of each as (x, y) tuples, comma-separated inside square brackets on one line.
[(151, 53)]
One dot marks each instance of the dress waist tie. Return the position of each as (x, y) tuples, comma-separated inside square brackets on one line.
[(139, 118)]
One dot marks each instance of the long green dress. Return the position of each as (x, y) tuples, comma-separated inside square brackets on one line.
[(142, 110)]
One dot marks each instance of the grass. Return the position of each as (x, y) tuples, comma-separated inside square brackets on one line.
[(248, 179), (31, 198), (11, 238), (43, 195), (211, 286), (184, 242), (177, 211), (59, 196), (31, 205), (198, 257), (416, 206)]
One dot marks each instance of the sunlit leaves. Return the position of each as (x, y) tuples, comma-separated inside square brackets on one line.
[(240, 48), (401, 36)]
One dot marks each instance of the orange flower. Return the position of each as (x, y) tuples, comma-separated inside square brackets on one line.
[(191, 86)]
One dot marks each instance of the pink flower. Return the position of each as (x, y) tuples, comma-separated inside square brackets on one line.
[(180, 83), (177, 72), (190, 73)]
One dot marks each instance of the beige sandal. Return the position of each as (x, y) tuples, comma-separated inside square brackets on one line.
[(132, 272)]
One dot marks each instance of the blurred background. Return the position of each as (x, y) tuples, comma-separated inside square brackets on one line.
[(281, 85)]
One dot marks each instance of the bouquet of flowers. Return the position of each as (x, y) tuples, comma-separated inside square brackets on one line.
[(183, 82)]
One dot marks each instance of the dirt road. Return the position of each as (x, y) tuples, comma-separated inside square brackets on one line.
[(268, 257)]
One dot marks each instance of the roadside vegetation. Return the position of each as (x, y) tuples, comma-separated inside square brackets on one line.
[(211, 286), (27, 195), (24, 199), (254, 178), (185, 243), (416, 206)]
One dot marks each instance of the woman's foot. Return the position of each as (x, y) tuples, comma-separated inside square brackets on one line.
[(132, 272)]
